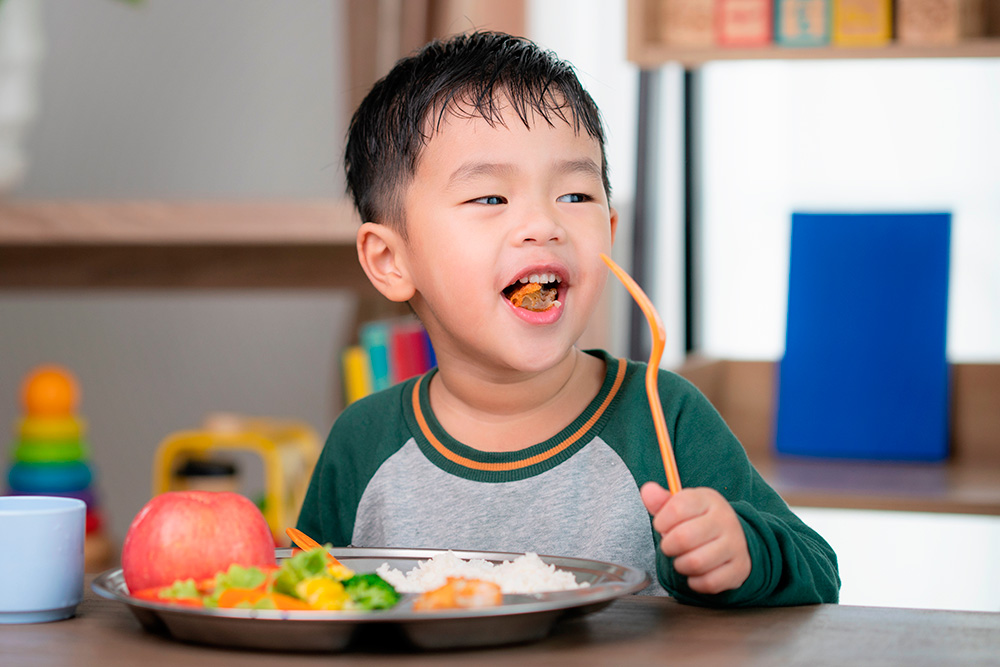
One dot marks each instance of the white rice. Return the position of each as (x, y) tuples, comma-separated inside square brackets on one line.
[(524, 574)]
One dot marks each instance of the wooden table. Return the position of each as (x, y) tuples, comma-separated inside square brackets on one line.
[(632, 631)]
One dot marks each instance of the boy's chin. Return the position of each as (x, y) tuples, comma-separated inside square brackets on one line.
[(541, 359)]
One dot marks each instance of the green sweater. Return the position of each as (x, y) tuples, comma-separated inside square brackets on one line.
[(390, 476)]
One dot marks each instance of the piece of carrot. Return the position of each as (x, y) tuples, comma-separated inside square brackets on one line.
[(287, 602), (234, 597), (237, 597)]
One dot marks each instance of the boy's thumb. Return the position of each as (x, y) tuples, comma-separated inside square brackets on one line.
[(654, 497)]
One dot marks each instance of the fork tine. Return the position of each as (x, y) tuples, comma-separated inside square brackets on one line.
[(303, 541), (652, 371)]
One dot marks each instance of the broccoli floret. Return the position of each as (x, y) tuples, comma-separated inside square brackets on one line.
[(370, 591)]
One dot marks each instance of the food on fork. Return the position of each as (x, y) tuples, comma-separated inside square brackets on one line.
[(532, 296)]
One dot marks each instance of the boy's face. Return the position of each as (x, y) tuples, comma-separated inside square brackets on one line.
[(489, 206)]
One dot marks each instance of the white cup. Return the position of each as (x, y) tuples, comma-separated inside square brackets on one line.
[(41, 557)]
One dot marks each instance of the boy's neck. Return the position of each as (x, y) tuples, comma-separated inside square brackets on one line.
[(504, 414)]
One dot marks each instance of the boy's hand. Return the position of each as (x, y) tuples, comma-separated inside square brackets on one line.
[(701, 531)]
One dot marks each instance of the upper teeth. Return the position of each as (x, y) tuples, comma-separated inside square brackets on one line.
[(541, 278)]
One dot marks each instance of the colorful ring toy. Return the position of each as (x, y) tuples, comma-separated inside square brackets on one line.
[(51, 428), (44, 477), (51, 451)]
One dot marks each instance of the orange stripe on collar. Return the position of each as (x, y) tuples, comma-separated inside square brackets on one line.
[(524, 463)]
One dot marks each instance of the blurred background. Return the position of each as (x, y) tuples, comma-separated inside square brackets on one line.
[(172, 230)]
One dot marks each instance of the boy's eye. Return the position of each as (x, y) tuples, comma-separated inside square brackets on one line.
[(574, 198), (490, 200)]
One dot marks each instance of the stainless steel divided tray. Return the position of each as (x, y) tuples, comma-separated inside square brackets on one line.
[(520, 618)]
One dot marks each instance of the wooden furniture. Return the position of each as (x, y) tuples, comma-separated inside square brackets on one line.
[(969, 482), (186, 244), (646, 48), (177, 244), (632, 631)]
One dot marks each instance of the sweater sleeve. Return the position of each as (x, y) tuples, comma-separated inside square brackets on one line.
[(791, 563)]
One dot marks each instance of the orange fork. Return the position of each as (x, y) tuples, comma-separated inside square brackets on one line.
[(303, 541), (652, 370)]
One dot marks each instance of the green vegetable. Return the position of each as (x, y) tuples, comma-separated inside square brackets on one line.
[(263, 603), (301, 566), (235, 577), (239, 577), (370, 591), (182, 589)]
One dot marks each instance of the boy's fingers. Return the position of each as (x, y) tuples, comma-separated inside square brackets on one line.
[(686, 536), (716, 581), (654, 497), (702, 559)]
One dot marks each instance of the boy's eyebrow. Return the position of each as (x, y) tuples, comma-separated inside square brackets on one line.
[(470, 170), (583, 165)]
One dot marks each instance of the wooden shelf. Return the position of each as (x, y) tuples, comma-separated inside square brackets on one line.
[(647, 51), (51, 223), (968, 483), (161, 244), (953, 488), (652, 55)]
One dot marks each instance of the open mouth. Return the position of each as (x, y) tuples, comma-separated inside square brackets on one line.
[(537, 292)]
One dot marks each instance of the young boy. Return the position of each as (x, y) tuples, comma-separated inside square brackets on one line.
[(478, 165)]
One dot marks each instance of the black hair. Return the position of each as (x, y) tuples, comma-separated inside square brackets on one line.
[(468, 75)]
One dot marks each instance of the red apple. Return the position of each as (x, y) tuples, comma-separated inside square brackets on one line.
[(194, 534)]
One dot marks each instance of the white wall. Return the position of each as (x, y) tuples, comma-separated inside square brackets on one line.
[(591, 35), (875, 135), (187, 98), (913, 559)]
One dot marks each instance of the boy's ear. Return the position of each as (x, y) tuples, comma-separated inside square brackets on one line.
[(614, 224), (381, 252)]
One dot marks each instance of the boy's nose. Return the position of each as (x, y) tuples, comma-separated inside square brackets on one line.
[(540, 226)]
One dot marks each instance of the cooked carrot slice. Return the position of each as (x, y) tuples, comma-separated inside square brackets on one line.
[(287, 602), (234, 597), (249, 597)]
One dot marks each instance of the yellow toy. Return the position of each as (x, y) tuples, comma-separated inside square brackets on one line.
[(287, 449)]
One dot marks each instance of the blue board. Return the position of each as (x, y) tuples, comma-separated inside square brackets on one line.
[(865, 373)]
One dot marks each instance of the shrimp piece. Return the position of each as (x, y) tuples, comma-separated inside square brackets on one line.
[(524, 290), (540, 300), (532, 296), (460, 593)]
